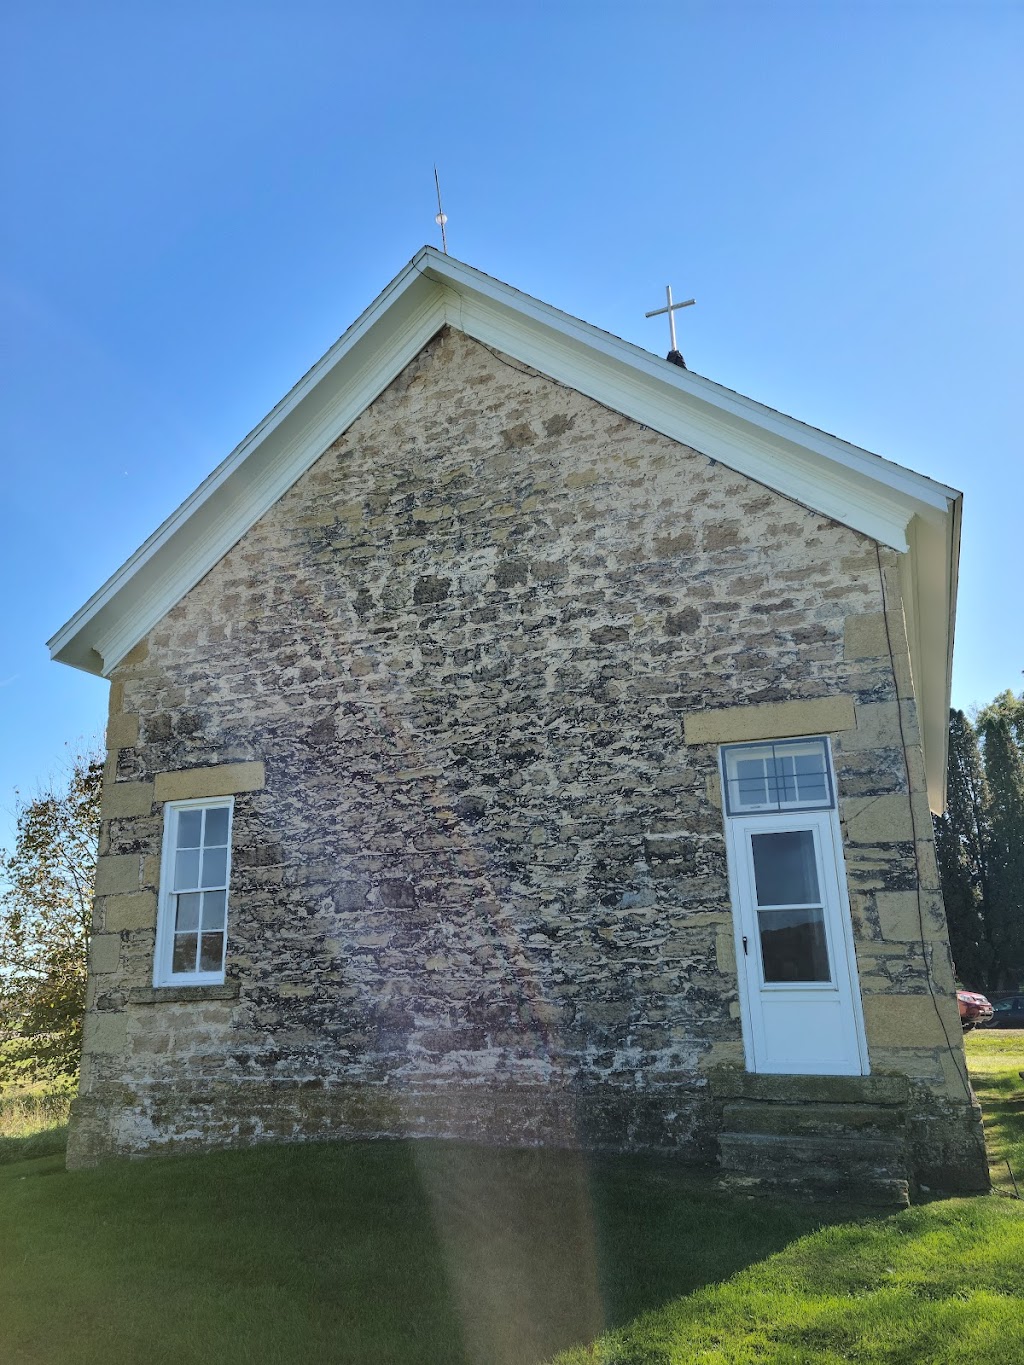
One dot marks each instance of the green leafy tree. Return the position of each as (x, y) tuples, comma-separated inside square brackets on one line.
[(46, 886)]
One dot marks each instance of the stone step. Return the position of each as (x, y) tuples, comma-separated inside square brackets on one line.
[(847, 1154), (821, 1183), (744, 1116), (863, 1167), (819, 1137), (733, 1083)]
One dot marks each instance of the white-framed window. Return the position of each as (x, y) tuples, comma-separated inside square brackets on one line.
[(195, 872), (777, 775)]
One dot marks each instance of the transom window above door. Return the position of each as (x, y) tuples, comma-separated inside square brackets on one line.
[(780, 775)]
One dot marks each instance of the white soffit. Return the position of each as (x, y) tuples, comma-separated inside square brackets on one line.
[(891, 504)]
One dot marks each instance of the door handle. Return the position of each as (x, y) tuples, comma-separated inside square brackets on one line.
[(746, 950)]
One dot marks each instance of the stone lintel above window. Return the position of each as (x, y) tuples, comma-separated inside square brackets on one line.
[(223, 779), (771, 720)]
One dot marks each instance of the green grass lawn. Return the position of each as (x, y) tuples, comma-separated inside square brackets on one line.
[(996, 1058), (417, 1253)]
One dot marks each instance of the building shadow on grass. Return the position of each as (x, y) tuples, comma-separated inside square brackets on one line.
[(545, 1250), (367, 1253)]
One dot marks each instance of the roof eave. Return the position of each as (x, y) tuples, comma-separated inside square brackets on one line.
[(929, 589), (90, 640)]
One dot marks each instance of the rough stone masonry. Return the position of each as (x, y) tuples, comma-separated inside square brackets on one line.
[(456, 679)]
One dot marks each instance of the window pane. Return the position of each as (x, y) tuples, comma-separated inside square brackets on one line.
[(799, 779), (187, 918), (793, 945), (784, 786), (186, 869), (215, 866), (811, 777), (213, 909), (189, 825), (211, 956), (184, 952), (749, 786), (784, 868), (216, 825)]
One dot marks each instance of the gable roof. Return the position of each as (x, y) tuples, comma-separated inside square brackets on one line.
[(895, 506)]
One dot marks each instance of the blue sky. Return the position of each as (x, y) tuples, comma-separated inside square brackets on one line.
[(200, 198)]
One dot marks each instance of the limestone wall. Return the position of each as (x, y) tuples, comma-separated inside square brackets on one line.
[(479, 881)]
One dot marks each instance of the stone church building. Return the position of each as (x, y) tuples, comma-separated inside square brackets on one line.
[(522, 739)]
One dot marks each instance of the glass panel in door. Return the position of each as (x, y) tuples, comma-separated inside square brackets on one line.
[(790, 908)]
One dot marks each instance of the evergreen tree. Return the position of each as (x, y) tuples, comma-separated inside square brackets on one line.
[(1002, 728), (979, 844), (962, 849)]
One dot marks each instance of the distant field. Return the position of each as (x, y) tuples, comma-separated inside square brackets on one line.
[(443, 1254), (33, 1121)]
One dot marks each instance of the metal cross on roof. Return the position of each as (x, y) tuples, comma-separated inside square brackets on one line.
[(670, 309), (442, 217)]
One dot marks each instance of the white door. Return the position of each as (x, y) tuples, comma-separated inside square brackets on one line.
[(799, 995)]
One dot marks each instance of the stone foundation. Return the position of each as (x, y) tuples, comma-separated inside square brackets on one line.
[(136, 1121)]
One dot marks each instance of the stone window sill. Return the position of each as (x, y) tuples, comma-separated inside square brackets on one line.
[(166, 995)]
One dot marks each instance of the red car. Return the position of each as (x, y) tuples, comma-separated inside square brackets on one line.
[(974, 1009)]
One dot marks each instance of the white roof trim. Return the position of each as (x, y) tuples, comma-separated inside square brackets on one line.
[(893, 505)]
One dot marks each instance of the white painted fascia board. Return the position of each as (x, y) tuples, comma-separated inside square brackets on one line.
[(675, 381), (215, 518), (929, 588), (363, 362), (842, 493)]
